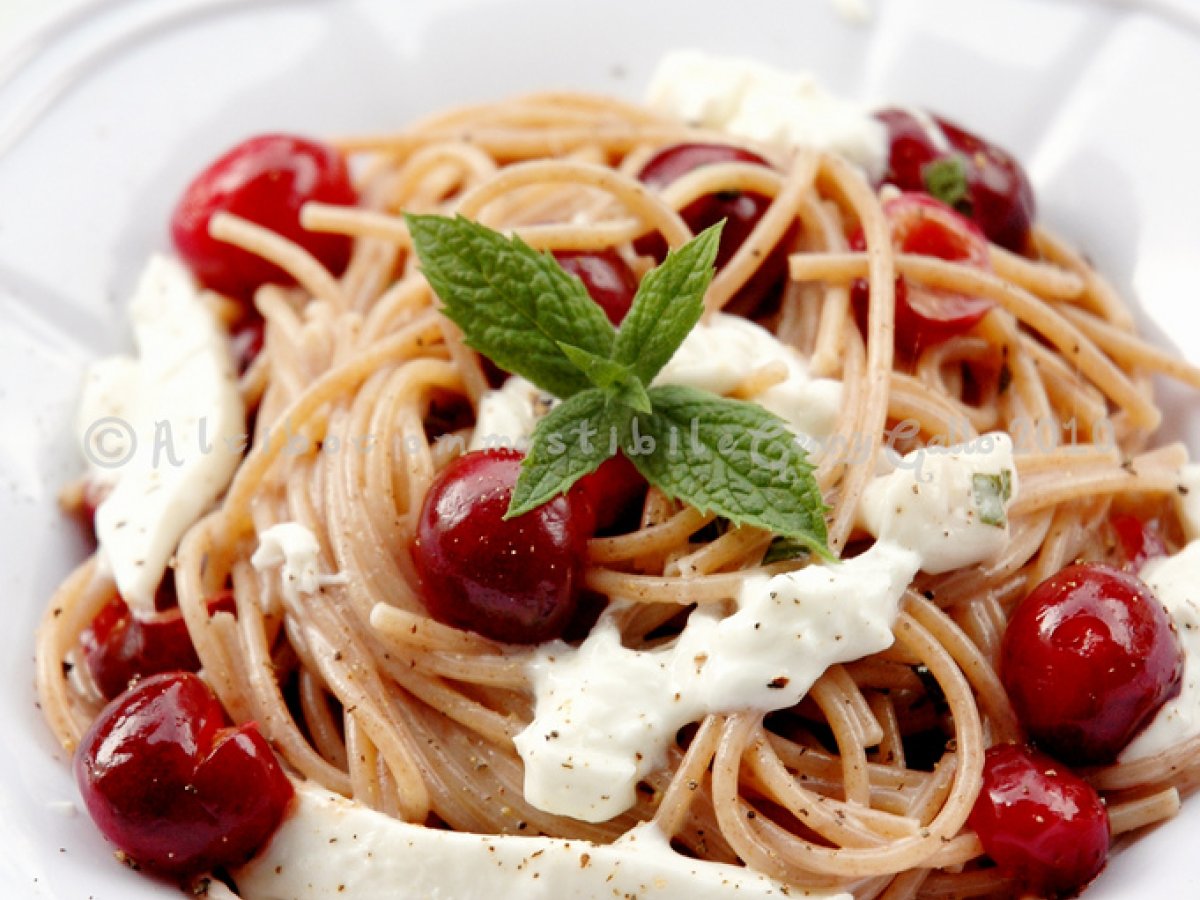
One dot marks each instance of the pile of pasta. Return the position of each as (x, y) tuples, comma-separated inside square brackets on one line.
[(868, 782)]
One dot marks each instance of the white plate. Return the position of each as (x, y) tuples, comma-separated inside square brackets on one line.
[(103, 119)]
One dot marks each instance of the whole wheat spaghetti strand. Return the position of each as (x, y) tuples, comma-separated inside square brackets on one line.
[(1069, 340)]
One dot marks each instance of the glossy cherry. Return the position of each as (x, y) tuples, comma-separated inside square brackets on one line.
[(1138, 541), (119, 648), (267, 180), (611, 492), (607, 277), (927, 227), (172, 786), (1041, 824), (998, 196), (741, 211), (514, 580), (1088, 658)]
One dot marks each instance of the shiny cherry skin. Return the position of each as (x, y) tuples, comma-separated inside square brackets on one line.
[(119, 648), (999, 197), (611, 492), (924, 226), (1138, 541), (1088, 659), (608, 279), (1040, 823), (266, 179), (171, 785), (514, 580), (741, 211)]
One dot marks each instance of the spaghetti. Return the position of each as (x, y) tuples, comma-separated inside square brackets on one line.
[(359, 690)]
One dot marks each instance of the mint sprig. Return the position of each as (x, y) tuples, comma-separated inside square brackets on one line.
[(521, 309), (513, 304)]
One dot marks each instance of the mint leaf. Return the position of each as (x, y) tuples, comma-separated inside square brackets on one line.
[(512, 303), (946, 180), (572, 440), (616, 380), (668, 304), (990, 493), (729, 457), (783, 549)]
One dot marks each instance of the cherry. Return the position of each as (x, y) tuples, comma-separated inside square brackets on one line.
[(174, 788), (515, 580), (927, 227), (266, 179), (1039, 822), (611, 491), (119, 648), (996, 191), (1088, 659), (1137, 541), (741, 211), (607, 277)]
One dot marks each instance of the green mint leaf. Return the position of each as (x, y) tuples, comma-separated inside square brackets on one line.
[(946, 180), (990, 493), (729, 457), (668, 304), (512, 303), (616, 380), (783, 549), (572, 440)]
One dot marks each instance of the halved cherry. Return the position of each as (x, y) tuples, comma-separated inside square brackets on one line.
[(1138, 541), (516, 580), (741, 211), (119, 648), (1088, 659), (171, 785), (983, 181), (926, 227), (265, 179), (1040, 823)]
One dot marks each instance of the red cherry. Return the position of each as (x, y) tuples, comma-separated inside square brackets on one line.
[(1137, 541), (913, 143), (607, 277), (119, 648), (1041, 824), (741, 211), (998, 198), (1000, 195), (1088, 659), (611, 491), (514, 580), (174, 788), (267, 180), (927, 227)]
